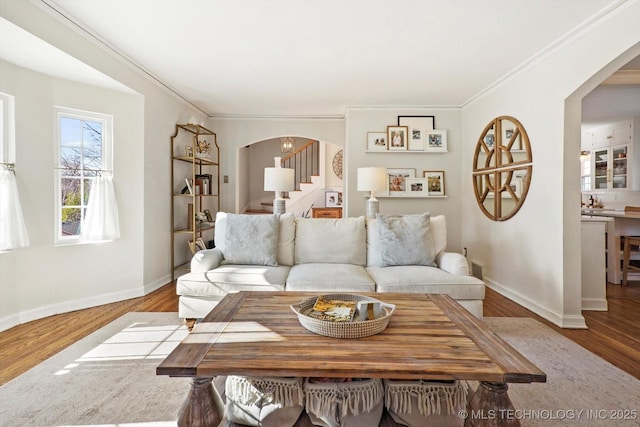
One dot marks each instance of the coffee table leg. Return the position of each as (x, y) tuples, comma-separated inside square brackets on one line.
[(491, 406), (203, 406)]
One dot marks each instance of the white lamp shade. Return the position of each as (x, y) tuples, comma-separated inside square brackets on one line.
[(372, 179), (278, 179)]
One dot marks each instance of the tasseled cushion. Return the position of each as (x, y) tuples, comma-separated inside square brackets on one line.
[(426, 403), (265, 402), (344, 404)]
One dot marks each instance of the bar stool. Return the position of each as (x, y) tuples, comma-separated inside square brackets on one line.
[(627, 254)]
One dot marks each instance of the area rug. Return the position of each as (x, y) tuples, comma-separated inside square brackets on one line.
[(108, 379)]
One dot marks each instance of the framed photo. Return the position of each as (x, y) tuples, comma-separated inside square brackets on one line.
[(188, 150), (332, 199), (417, 122), (417, 187), (436, 141), (376, 141), (416, 139), (397, 138), (397, 180), (435, 182)]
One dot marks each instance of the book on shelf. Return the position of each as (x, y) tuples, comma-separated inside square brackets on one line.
[(333, 310), (204, 181)]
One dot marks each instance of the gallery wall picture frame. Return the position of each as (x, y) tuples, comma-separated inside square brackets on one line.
[(416, 139), (397, 138), (332, 199), (435, 182), (397, 180), (417, 122), (377, 141), (436, 141), (417, 187)]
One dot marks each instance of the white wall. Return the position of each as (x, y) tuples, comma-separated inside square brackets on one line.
[(363, 120), (44, 278), (534, 258)]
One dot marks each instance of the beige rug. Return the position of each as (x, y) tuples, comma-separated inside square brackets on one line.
[(108, 379)]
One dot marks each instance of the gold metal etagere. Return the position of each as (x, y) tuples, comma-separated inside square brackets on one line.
[(184, 151)]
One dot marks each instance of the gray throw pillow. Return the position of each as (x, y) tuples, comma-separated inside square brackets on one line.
[(406, 240), (251, 239)]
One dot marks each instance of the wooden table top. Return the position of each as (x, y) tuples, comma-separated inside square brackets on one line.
[(430, 336)]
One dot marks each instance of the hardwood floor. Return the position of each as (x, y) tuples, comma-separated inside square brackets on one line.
[(613, 335)]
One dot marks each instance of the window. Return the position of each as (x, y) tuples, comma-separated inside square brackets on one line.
[(83, 149)]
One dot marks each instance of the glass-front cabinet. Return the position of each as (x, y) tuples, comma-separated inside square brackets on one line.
[(611, 168)]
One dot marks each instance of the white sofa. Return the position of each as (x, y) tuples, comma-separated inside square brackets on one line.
[(283, 253)]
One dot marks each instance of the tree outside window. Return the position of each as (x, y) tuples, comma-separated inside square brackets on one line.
[(81, 151)]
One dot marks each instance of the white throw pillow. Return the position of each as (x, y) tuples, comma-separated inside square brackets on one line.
[(251, 239), (406, 240)]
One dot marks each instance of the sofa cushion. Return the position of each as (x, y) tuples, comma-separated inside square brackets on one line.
[(406, 240), (423, 279), (286, 239), (339, 241), (374, 258), (439, 232), (232, 278), (329, 277)]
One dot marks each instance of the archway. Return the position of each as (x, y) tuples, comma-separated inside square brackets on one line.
[(572, 291), (254, 157)]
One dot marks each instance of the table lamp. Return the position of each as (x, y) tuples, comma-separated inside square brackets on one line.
[(372, 179), (278, 179)]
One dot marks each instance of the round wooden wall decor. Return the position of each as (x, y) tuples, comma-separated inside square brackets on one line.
[(502, 167), (337, 164)]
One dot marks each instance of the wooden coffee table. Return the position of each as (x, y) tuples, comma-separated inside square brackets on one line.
[(430, 337)]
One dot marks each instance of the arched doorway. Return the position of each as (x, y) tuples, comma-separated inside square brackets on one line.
[(317, 175)]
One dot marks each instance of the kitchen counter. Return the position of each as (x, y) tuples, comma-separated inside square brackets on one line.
[(613, 213), (623, 224)]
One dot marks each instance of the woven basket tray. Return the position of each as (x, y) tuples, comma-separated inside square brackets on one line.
[(354, 329)]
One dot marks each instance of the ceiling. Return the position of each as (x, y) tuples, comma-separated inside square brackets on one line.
[(313, 58)]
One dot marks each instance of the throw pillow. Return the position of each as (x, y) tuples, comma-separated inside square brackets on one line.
[(251, 239), (406, 240)]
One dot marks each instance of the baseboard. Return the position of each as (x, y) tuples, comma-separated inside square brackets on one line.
[(570, 322), (9, 322), (591, 304), (154, 286), (79, 304)]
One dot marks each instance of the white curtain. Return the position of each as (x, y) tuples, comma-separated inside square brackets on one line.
[(101, 220), (13, 232)]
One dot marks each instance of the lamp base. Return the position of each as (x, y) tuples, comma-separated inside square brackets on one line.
[(279, 206), (373, 208)]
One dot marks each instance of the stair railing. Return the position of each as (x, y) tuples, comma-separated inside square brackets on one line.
[(305, 161)]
